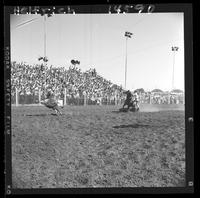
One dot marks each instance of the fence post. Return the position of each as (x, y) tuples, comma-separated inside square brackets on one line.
[(65, 95), (16, 97), (115, 100), (39, 96), (85, 99), (150, 99), (168, 98)]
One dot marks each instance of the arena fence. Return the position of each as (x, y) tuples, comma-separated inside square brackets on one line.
[(23, 99)]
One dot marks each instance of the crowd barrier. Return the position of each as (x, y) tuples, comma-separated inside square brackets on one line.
[(19, 99), (22, 99)]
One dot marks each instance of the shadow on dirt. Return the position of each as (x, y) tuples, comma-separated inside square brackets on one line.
[(54, 114), (120, 111), (131, 126)]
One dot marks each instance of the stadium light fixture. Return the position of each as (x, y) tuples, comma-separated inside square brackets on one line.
[(127, 35)]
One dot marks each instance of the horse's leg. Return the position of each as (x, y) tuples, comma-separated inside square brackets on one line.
[(125, 103), (129, 104), (57, 110)]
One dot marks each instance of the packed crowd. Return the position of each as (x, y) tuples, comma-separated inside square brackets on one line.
[(161, 98), (30, 79)]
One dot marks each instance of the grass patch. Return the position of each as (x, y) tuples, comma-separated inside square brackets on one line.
[(94, 147)]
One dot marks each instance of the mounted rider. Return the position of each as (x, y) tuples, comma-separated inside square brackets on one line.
[(129, 99), (51, 103)]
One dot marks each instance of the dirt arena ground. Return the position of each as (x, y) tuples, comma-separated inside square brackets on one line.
[(96, 146)]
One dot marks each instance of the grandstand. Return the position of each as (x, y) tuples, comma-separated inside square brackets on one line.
[(29, 84), (73, 84)]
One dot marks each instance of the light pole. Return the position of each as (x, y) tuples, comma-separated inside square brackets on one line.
[(127, 35), (45, 19), (174, 49), (45, 58), (44, 40)]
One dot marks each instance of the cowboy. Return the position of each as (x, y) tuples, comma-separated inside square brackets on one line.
[(128, 99), (51, 103)]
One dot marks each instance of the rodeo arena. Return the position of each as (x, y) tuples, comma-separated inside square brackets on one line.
[(72, 127), (95, 140)]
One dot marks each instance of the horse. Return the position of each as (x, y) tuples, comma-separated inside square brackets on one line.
[(132, 106), (51, 103), (130, 102)]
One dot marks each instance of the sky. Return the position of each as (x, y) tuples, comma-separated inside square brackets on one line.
[(98, 41)]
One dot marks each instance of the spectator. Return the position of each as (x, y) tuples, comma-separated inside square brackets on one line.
[(29, 79)]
